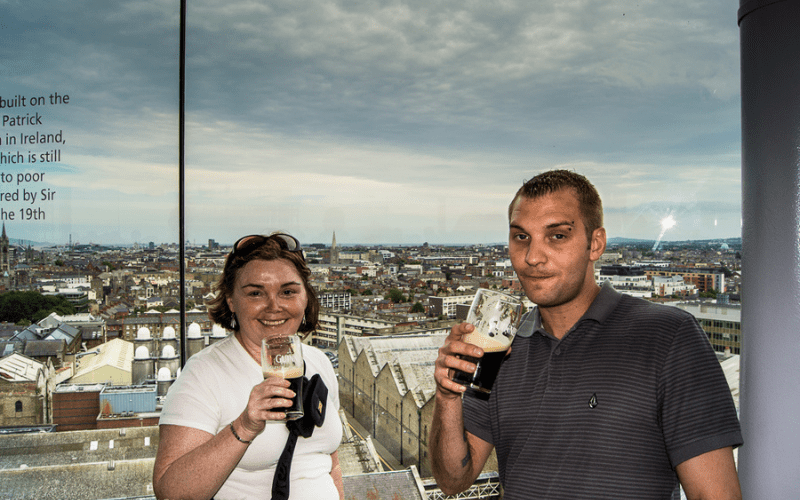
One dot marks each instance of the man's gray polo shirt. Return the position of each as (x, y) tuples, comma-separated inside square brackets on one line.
[(632, 390)]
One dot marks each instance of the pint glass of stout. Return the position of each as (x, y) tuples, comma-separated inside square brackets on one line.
[(283, 357), (495, 316)]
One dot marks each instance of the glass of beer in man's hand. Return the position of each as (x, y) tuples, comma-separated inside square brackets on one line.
[(283, 357), (495, 316)]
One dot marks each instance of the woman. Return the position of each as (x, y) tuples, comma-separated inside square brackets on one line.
[(221, 429)]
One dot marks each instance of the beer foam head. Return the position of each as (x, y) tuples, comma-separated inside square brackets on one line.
[(289, 372), (488, 344)]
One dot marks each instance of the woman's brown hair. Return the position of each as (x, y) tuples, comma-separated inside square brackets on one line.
[(272, 248)]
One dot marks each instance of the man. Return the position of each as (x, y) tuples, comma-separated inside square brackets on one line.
[(601, 395)]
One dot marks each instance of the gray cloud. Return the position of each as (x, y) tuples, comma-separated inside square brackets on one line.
[(439, 101)]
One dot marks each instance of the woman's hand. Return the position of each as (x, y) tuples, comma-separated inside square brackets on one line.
[(450, 359), (266, 402)]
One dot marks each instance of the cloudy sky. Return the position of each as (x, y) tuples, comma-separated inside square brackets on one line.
[(384, 121)]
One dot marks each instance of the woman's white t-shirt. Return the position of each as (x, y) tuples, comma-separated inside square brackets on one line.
[(213, 390)]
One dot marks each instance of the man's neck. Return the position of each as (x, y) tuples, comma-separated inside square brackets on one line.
[(558, 320)]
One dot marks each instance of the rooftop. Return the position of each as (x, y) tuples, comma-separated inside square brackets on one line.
[(19, 368), (410, 357)]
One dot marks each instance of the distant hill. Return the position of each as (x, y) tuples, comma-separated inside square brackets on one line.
[(611, 242), (715, 241)]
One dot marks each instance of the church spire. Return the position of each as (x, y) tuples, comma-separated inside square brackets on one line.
[(5, 252), (334, 251)]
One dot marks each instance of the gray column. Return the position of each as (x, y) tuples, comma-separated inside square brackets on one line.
[(769, 461)]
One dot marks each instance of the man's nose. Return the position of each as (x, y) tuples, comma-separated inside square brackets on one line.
[(536, 254)]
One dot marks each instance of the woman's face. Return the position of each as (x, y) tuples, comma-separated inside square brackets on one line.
[(269, 299)]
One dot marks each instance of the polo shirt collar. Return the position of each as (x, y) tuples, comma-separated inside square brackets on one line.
[(602, 306)]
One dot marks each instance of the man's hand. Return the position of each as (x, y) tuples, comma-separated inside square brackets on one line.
[(450, 359), (457, 456)]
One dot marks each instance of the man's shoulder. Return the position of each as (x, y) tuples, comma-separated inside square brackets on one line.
[(640, 310)]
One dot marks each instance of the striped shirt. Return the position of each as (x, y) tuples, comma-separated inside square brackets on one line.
[(607, 412)]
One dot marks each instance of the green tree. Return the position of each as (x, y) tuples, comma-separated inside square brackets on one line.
[(395, 296), (32, 306), (418, 308)]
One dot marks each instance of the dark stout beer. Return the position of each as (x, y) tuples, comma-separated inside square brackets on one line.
[(495, 317), (295, 378), (487, 368), (283, 357)]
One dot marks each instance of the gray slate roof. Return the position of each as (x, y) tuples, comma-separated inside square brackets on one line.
[(40, 348)]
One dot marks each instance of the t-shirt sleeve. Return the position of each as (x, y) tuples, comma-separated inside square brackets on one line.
[(191, 402), (696, 407), (476, 417)]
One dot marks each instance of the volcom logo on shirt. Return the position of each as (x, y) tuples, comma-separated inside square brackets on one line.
[(593, 401)]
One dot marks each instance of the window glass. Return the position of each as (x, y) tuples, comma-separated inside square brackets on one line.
[(379, 124), (398, 122), (88, 205), (89, 133), (382, 123)]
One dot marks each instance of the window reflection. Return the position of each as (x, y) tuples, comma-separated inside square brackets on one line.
[(401, 129)]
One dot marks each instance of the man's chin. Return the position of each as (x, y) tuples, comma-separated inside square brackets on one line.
[(535, 291)]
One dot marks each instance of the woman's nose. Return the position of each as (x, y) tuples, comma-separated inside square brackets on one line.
[(271, 302)]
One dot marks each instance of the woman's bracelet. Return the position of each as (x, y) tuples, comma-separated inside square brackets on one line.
[(237, 436)]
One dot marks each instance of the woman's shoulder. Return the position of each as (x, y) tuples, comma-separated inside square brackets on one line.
[(226, 353), (318, 362), (315, 356), (310, 350), (213, 350)]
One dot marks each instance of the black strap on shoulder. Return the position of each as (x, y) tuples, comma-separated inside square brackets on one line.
[(315, 397)]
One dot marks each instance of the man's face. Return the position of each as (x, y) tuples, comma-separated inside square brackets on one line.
[(549, 249)]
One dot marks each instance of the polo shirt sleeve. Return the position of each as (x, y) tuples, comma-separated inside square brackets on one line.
[(696, 407), (476, 417)]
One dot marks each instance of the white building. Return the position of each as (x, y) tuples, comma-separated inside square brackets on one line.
[(672, 285), (335, 301), (447, 305), (332, 326)]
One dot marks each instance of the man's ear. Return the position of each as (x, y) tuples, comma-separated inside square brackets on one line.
[(598, 244)]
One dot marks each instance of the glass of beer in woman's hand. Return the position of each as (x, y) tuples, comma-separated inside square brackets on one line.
[(283, 357), (495, 316)]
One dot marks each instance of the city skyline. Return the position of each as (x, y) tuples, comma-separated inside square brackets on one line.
[(384, 121), (348, 245)]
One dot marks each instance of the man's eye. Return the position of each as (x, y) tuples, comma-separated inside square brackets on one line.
[(520, 237)]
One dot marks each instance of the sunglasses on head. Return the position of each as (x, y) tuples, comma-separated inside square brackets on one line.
[(247, 244)]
